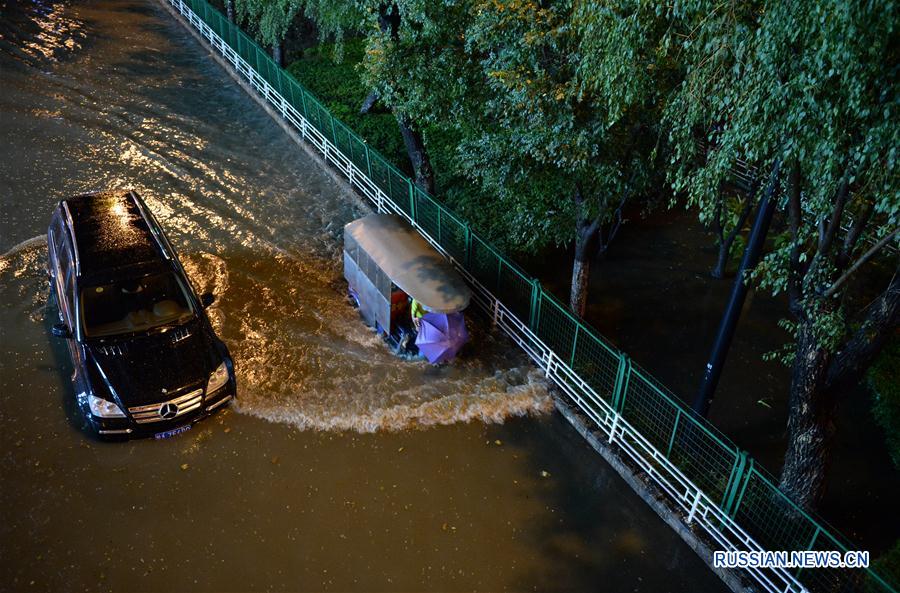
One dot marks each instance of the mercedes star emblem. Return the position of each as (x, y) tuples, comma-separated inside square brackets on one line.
[(168, 410)]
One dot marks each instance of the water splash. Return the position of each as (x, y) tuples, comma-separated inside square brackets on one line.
[(23, 280), (311, 362), (304, 356)]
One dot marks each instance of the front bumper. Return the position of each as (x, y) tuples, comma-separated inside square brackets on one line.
[(129, 428)]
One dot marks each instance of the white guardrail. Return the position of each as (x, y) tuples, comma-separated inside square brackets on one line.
[(698, 510)]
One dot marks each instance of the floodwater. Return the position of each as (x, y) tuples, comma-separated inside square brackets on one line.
[(341, 467)]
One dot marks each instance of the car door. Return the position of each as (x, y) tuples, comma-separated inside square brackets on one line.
[(64, 278), (60, 260)]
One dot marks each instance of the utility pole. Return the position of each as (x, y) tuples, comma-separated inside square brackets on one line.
[(704, 399)]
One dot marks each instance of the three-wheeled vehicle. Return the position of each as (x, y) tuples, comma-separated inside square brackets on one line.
[(404, 288)]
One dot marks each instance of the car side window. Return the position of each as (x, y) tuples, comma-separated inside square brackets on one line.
[(53, 238), (61, 247), (65, 273), (70, 296)]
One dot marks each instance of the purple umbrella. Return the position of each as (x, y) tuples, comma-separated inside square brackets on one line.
[(441, 336)]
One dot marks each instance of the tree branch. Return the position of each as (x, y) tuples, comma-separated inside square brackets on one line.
[(617, 223), (840, 201), (860, 351), (859, 223), (745, 213), (865, 257)]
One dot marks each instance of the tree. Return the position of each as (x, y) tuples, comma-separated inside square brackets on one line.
[(550, 129), (729, 216), (557, 138), (270, 20), (389, 29), (389, 39), (813, 86)]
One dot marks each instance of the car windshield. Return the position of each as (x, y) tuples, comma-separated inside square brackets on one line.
[(134, 305)]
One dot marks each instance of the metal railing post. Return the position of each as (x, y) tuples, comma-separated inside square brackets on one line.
[(622, 375), (612, 430), (303, 102), (693, 511), (674, 432), (734, 483), (535, 296), (468, 248), (574, 346)]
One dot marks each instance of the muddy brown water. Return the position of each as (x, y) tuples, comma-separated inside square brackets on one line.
[(342, 467)]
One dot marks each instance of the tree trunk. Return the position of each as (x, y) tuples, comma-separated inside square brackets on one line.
[(229, 10), (586, 232), (719, 271), (581, 276), (819, 377), (418, 156), (278, 54), (810, 421), (369, 103)]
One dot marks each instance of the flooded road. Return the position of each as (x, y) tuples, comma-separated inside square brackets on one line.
[(341, 467)]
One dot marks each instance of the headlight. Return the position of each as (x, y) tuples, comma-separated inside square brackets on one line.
[(218, 379), (104, 408)]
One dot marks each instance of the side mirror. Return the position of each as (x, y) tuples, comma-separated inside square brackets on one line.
[(207, 299), (60, 331)]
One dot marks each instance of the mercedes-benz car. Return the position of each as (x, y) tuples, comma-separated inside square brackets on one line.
[(146, 359)]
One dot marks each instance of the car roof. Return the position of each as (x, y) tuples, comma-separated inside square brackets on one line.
[(111, 230)]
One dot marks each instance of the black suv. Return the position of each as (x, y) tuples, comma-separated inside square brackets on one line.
[(146, 359)]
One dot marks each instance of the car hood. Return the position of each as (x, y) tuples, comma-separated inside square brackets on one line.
[(155, 368)]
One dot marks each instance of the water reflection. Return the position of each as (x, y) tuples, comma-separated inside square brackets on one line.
[(35, 32)]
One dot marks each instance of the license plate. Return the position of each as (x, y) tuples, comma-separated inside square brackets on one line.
[(171, 433)]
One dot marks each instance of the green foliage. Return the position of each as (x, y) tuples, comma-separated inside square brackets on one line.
[(529, 102), (337, 19), (335, 80), (884, 380), (812, 85), (788, 81), (520, 104), (268, 19), (552, 120), (532, 114)]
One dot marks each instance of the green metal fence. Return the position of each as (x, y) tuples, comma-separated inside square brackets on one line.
[(743, 493)]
